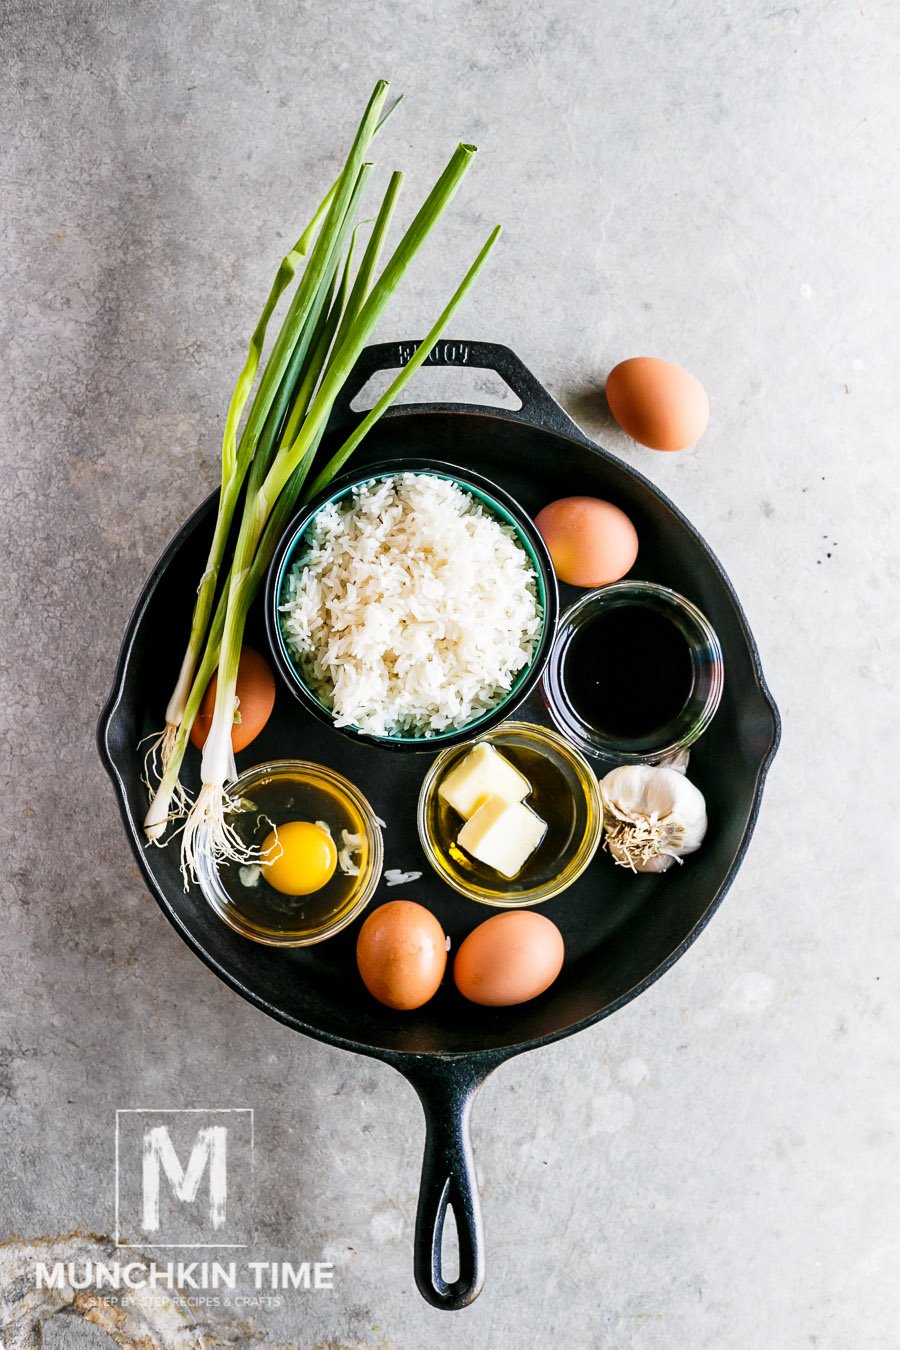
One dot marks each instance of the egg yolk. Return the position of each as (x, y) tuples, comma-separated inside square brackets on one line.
[(303, 858)]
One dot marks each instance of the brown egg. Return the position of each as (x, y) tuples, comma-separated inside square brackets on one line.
[(657, 403), (256, 699), (590, 541), (401, 952), (509, 959)]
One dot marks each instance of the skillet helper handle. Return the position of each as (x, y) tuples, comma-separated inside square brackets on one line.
[(447, 1091), (539, 408)]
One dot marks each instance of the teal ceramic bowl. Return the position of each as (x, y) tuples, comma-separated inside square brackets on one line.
[(506, 510)]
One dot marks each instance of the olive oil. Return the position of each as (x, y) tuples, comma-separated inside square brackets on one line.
[(550, 797)]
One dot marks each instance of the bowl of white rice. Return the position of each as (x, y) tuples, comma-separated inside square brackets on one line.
[(412, 605)]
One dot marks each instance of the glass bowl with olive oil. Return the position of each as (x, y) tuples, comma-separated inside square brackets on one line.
[(562, 792), (314, 855)]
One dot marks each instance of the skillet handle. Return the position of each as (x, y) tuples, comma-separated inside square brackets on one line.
[(447, 1089), (539, 408)]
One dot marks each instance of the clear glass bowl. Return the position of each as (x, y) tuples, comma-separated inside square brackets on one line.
[(283, 790), (564, 793), (701, 703)]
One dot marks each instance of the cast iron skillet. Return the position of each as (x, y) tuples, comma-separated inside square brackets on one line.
[(621, 931)]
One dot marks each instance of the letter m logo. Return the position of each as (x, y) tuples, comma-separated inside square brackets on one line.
[(159, 1155), (184, 1178)]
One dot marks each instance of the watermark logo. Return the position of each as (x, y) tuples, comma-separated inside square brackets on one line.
[(184, 1178)]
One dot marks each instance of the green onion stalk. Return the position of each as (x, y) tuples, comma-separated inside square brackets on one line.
[(235, 462), (207, 831), (327, 227), (170, 790), (330, 225)]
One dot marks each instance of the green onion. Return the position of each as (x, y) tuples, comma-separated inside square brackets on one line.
[(330, 224), (234, 468), (329, 322), (170, 790), (336, 211)]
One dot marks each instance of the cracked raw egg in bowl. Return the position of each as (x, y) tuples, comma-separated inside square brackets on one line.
[(312, 855)]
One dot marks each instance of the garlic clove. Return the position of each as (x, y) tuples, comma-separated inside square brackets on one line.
[(654, 816)]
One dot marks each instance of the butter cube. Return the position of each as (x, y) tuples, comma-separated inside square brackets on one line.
[(483, 773), (503, 835)]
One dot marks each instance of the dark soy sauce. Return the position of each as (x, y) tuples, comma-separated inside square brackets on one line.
[(628, 672)]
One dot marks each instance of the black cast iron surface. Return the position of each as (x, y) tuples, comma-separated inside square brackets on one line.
[(621, 931)]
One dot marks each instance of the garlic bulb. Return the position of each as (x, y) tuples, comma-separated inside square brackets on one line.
[(653, 815)]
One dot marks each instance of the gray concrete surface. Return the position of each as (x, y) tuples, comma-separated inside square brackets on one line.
[(716, 183)]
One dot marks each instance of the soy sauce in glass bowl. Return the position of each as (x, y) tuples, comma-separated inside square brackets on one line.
[(635, 675)]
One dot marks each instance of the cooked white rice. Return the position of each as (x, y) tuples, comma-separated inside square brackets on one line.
[(412, 609)]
